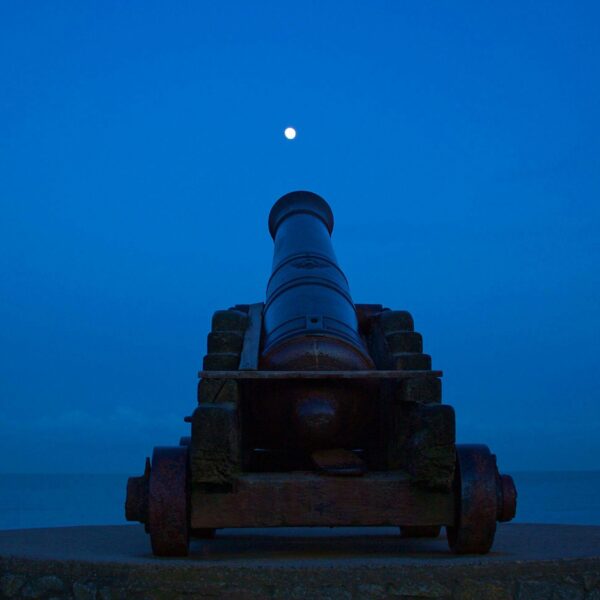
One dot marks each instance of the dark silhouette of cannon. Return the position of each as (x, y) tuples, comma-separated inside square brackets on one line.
[(314, 411)]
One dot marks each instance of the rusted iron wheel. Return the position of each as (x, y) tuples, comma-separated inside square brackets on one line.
[(169, 501), (415, 531), (476, 501)]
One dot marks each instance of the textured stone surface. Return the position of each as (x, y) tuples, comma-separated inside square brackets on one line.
[(592, 580), (84, 591), (472, 589), (41, 586), (549, 590), (11, 584), (114, 563), (105, 593), (418, 589)]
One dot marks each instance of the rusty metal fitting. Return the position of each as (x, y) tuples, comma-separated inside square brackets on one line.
[(136, 502), (507, 505)]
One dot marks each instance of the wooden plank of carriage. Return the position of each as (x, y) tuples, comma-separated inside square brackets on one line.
[(251, 347), (309, 499), (374, 374)]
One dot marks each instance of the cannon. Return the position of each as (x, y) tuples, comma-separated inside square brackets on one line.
[(315, 411)]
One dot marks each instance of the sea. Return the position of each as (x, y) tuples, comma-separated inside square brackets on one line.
[(30, 501)]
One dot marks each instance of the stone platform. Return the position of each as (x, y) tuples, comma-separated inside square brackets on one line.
[(85, 563)]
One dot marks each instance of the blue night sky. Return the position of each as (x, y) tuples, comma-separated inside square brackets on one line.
[(141, 148)]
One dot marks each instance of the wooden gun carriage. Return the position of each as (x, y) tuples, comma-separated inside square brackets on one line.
[(314, 411)]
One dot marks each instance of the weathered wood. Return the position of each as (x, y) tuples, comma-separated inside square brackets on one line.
[(241, 307), (229, 320), (235, 374), (365, 314), (261, 460), (396, 320), (309, 499), (412, 361), (251, 347), (431, 446), (221, 361), (404, 341), (398, 435), (224, 341), (215, 455), (427, 390), (378, 348), (385, 410), (422, 441), (224, 345), (393, 343), (339, 461), (218, 390), (435, 422)]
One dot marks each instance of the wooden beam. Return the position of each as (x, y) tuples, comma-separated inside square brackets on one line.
[(251, 346), (375, 374), (215, 450), (308, 499)]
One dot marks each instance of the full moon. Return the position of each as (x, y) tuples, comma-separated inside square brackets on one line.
[(290, 133)]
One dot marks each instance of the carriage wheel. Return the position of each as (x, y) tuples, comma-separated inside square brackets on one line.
[(476, 496), (420, 531), (169, 501)]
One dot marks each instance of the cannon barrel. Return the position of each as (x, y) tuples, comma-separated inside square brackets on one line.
[(308, 294), (310, 323)]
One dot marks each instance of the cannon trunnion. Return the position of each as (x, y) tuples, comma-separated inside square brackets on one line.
[(314, 411)]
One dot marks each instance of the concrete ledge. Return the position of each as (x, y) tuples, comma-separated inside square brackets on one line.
[(85, 563)]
